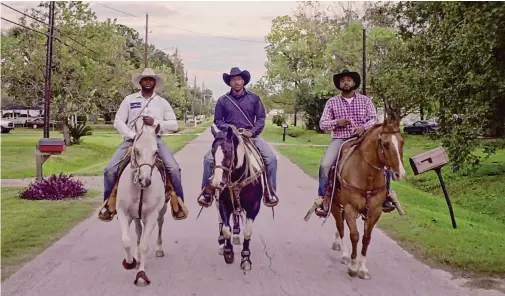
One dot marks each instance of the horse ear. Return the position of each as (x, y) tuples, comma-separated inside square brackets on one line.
[(229, 132), (213, 130)]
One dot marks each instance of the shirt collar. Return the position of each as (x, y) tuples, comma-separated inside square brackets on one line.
[(139, 95), (246, 92)]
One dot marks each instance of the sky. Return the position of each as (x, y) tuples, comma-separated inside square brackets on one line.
[(211, 36)]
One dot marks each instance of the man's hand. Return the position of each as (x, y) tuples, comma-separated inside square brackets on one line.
[(342, 122), (247, 133), (148, 120), (359, 130)]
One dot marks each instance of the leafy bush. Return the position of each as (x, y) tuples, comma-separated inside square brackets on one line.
[(279, 119), (54, 188), (78, 131)]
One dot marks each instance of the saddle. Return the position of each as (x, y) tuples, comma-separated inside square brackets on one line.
[(178, 209), (346, 150)]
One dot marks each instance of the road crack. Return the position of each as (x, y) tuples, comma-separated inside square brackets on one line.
[(266, 254)]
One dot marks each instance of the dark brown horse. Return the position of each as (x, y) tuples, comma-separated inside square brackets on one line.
[(360, 187)]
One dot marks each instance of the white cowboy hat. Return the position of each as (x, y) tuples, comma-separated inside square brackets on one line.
[(148, 72)]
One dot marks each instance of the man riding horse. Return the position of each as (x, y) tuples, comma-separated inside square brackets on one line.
[(153, 110), (243, 109), (347, 115)]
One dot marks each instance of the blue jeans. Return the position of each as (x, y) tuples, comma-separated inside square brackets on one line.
[(329, 159), (171, 166), (268, 157)]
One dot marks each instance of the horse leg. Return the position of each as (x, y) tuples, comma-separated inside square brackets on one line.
[(367, 236), (129, 262), (159, 242), (246, 263), (236, 230), (149, 225), (350, 216), (226, 231), (138, 231), (339, 223)]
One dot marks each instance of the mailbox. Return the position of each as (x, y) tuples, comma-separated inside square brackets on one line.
[(51, 145), (284, 125), (429, 160)]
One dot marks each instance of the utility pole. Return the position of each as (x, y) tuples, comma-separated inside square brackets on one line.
[(203, 100), (49, 62), (194, 99), (146, 47), (363, 91)]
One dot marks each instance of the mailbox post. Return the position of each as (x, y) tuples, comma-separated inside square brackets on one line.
[(44, 149), (284, 126), (433, 159)]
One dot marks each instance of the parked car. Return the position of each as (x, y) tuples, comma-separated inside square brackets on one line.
[(37, 122), (7, 126), (17, 118), (420, 127)]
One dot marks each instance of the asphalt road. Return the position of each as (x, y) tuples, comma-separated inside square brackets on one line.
[(289, 256)]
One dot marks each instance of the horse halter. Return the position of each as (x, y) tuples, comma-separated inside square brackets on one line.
[(135, 165), (380, 147), (229, 169)]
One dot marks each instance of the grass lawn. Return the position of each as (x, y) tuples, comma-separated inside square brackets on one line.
[(29, 227), (86, 159), (476, 246)]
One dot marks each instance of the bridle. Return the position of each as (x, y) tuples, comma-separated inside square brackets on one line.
[(134, 164)]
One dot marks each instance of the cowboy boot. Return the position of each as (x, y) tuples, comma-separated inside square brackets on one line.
[(105, 214), (205, 199), (320, 210), (269, 200), (388, 205)]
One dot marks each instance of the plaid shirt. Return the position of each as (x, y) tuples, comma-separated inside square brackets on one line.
[(361, 111)]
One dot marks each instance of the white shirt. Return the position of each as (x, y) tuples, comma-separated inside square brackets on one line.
[(158, 108)]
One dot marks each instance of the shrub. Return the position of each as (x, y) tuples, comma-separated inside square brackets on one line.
[(54, 188), (278, 119)]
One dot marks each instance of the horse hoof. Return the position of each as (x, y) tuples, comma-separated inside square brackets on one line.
[(235, 240), (351, 272), (160, 253), (246, 264), (229, 256), (221, 249), (336, 246), (345, 260), (141, 275), (364, 275), (129, 266)]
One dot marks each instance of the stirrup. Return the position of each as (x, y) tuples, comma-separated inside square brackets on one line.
[(103, 210), (202, 202)]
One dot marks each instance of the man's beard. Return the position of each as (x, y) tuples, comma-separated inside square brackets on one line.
[(347, 88), (147, 88)]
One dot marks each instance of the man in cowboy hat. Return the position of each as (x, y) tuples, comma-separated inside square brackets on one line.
[(154, 110), (346, 115), (243, 109)]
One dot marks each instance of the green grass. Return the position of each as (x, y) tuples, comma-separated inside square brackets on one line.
[(29, 227), (476, 246), (86, 159)]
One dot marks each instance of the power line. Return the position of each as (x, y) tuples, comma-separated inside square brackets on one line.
[(55, 38), (194, 32), (33, 18)]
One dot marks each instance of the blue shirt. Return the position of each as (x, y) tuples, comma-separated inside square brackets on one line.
[(226, 113)]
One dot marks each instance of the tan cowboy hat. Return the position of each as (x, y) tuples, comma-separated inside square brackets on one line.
[(148, 72)]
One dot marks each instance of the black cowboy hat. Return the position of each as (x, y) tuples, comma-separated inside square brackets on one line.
[(234, 72), (354, 75)]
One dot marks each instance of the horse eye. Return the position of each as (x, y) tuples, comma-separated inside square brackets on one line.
[(386, 145)]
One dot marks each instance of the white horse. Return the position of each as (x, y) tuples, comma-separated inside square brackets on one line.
[(141, 196)]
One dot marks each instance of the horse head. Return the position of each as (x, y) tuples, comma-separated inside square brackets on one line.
[(228, 152), (391, 146), (144, 153)]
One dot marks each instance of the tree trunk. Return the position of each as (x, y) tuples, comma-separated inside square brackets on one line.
[(66, 133), (421, 112)]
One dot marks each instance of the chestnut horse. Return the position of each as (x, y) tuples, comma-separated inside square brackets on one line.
[(360, 187)]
